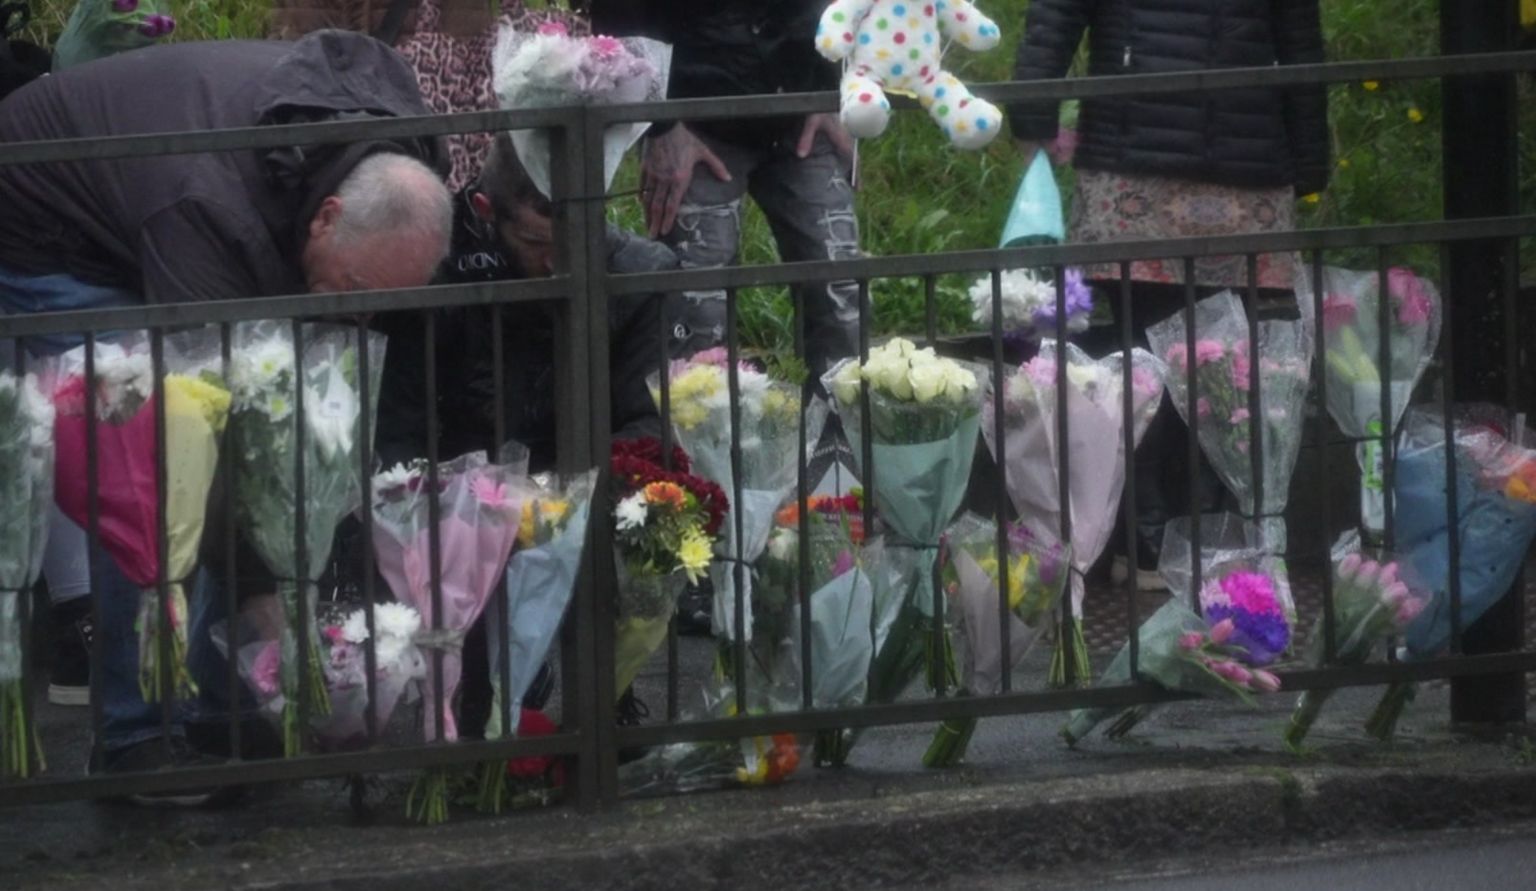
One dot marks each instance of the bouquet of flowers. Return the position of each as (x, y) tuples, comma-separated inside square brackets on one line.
[(268, 377), (479, 512), (666, 524), (1496, 521), (1223, 378), (344, 636), (26, 491), (1094, 403), (1372, 601), (1029, 303), (1352, 337), (924, 412), (1037, 570), (1247, 613), (769, 413), (549, 68), (101, 28), (128, 448)]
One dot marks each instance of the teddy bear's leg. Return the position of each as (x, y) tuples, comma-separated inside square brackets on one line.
[(866, 111), (968, 121)]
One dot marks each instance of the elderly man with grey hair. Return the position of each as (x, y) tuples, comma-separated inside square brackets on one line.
[(218, 226)]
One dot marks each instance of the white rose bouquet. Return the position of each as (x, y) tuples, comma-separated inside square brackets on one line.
[(924, 414)]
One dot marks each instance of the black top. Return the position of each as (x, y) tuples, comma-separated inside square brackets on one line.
[(1249, 137), (212, 226)]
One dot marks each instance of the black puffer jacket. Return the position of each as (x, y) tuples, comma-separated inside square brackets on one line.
[(1249, 138), (730, 48)]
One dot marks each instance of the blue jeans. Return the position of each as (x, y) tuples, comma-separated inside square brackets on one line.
[(126, 717)]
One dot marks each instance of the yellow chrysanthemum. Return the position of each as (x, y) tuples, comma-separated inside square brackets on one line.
[(553, 510), (525, 527), (694, 554), (187, 395)]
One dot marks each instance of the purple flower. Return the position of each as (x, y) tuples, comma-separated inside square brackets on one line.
[(1264, 636), (124, 6), (157, 25), (1078, 298)]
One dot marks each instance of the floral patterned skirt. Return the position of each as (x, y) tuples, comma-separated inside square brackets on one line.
[(1121, 207)]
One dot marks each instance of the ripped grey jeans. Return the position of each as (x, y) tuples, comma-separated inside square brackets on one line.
[(809, 205)]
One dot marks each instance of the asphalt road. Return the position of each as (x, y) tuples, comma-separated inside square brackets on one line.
[(1491, 859)]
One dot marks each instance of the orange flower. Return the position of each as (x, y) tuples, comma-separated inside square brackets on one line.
[(1521, 485), (670, 494)]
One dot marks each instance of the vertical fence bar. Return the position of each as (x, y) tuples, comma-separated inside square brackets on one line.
[(1320, 434), (930, 309), (1192, 412), (1128, 496), (231, 593), (1448, 428), (301, 579), (1070, 656), (1515, 398), (434, 516), (664, 375), (93, 551), (503, 596), (802, 500), (164, 680), (31, 757), (1000, 436), (1255, 397), (365, 474), (738, 565), (1388, 429)]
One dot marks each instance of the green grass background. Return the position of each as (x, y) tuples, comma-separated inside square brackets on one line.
[(917, 195)]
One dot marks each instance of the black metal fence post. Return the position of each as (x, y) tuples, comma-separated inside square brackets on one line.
[(1481, 169)]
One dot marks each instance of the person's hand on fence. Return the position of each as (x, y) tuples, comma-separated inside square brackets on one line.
[(832, 126), (666, 171)]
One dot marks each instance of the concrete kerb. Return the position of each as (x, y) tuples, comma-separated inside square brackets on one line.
[(869, 832)]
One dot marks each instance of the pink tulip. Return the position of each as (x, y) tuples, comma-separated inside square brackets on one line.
[(1192, 640), (1409, 610), (1233, 672), (1395, 595), (1265, 681), (1348, 567), (1367, 574), (1388, 576), (1221, 632)]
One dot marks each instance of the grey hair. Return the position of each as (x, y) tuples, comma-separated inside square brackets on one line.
[(389, 194)]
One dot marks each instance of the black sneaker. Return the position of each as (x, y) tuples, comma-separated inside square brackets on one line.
[(259, 740), (157, 755), (69, 680)]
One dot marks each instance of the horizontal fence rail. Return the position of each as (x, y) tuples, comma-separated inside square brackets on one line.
[(579, 295)]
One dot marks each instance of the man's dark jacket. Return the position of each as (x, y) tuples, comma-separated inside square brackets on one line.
[(193, 227), (466, 377), (730, 48), (1249, 137)]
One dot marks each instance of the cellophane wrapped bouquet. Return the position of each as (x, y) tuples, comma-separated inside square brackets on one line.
[(549, 67), (1029, 303), (26, 492), (666, 523), (1352, 339), (1495, 461), (769, 416), (128, 448), (268, 377), (1032, 454), (1373, 600), (398, 665), (1245, 623), (924, 413), (541, 577), (1223, 380), (1037, 569)]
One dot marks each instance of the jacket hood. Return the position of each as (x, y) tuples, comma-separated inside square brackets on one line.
[(331, 76)]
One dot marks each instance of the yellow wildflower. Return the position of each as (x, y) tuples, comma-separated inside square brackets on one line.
[(1313, 198), (1415, 115), (1371, 86), (1343, 163)]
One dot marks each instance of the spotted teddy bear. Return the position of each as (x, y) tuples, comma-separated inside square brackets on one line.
[(896, 45)]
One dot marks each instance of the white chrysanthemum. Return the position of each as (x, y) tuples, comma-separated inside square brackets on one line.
[(331, 410), (395, 624), (355, 628), (782, 545), (39, 409), (1087, 379), (631, 512), (395, 477)]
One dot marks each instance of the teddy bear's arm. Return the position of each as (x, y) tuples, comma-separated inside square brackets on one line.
[(967, 26), (839, 24)]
